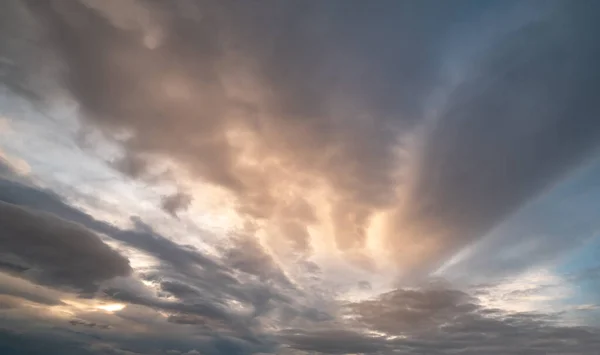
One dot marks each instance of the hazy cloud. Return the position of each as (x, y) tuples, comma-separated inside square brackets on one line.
[(287, 97), (287, 85), (355, 147)]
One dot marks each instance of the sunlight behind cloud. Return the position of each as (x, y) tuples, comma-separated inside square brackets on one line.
[(110, 307), (299, 177)]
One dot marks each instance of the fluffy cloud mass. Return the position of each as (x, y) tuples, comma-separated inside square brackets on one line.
[(290, 177)]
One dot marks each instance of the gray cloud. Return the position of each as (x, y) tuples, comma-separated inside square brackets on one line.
[(333, 341), (523, 119), (79, 322), (16, 287), (297, 79), (172, 204), (12, 342), (185, 260), (202, 286), (537, 234), (296, 86), (18, 40), (5, 169), (245, 272), (438, 320), (61, 341), (403, 311), (59, 252), (275, 101)]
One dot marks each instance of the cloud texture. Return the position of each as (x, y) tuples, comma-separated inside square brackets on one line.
[(357, 147)]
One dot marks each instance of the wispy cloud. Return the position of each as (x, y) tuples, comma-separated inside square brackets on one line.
[(322, 160)]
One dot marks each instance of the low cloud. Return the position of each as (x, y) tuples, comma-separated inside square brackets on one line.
[(333, 341), (23, 289), (194, 288), (438, 320), (192, 299), (78, 322), (59, 252)]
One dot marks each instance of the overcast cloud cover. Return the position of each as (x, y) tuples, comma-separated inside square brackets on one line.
[(299, 177)]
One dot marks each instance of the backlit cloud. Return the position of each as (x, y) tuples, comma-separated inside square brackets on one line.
[(288, 177)]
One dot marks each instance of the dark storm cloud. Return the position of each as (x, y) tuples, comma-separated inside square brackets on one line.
[(59, 252)]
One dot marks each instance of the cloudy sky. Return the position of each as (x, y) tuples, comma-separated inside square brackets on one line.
[(297, 177)]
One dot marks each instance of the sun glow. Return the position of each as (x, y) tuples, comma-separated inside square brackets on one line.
[(110, 307)]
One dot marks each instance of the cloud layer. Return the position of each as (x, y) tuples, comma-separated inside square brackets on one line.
[(356, 147), (275, 102)]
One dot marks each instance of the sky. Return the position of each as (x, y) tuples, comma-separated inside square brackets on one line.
[(299, 177)]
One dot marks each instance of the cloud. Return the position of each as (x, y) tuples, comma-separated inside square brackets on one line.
[(454, 323), (172, 204), (537, 234), (333, 341), (11, 167), (521, 121), (78, 322), (59, 252), (387, 135), (403, 311), (5, 169), (309, 110), (26, 290), (286, 97), (224, 293), (18, 41), (438, 320), (426, 319)]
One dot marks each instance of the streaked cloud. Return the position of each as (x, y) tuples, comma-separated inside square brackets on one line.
[(298, 177)]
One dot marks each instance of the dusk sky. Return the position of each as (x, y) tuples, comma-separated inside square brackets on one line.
[(294, 177)]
